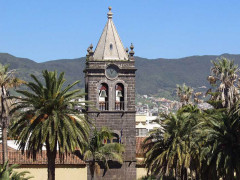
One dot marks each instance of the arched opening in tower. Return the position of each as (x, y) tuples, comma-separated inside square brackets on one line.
[(119, 103), (103, 97)]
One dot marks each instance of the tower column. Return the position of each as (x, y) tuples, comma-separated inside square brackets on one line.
[(111, 64)]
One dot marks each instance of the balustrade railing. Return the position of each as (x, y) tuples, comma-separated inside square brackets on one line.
[(119, 105), (103, 106)]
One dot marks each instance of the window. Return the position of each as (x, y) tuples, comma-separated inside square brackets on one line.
[(103, 97), (114, 139), (111, 46), (141, 132), (119, 103)]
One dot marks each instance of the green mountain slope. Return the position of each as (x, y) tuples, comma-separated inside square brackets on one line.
[(152, 76), (164, 74)]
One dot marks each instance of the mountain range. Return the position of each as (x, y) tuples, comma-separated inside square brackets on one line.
[(154, 76)]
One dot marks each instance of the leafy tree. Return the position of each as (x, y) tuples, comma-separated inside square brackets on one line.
[(155, 146), (221, 151), (98, 152), (8, 173), (7, 81), (20, 176), (48, 117), (223, 78), (170, 150), (195, 144), (184, 94)]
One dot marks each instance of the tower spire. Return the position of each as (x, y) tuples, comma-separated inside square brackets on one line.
[(110, 46)]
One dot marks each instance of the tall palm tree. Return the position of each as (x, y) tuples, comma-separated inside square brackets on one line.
[(171, 150), (221, 150), (223, 78), (99, 151), (47, 117), (155, 147), (7, 81), (184, 94)]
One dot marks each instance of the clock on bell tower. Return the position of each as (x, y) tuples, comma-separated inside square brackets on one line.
[(112, 71)]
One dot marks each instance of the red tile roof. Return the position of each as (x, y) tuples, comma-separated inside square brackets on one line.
[(16, 157), (9, 148)]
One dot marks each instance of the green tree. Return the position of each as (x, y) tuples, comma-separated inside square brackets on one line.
[(8, 173), (98, 152), (7, 81), (223, 78), (184, 94), (171, 149), (221, 151), (48, 117), (200, 144)]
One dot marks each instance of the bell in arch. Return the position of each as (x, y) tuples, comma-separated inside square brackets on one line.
[(103, 93), (119, 94)]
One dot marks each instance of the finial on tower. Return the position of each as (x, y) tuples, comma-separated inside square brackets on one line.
[(91, 46), (131, 53), (90, 52), (110, 14)]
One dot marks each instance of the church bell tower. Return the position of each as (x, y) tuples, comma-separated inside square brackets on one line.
[(110, 86)]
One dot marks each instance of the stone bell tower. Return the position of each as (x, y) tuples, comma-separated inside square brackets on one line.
[(110, 86)]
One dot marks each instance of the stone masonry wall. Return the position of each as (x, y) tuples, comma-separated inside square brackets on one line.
[(126, 172), (123, 120)]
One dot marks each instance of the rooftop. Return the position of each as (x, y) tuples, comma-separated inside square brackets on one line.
[(16, 156)]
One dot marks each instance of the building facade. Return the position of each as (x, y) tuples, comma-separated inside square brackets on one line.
[(110, 86)]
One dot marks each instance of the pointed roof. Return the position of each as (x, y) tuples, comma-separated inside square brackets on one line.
[(110, 46)]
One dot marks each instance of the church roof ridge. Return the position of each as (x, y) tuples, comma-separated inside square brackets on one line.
[(110, 46)]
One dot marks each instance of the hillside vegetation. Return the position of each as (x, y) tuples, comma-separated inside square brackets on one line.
[(154, 76)]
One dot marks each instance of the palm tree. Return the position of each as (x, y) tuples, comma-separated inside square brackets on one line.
[(6, 172), (47, 117), (221, 150), (98, 151), (223, 78), (184, 94), (170, 150), (7, 81), (155, 147)]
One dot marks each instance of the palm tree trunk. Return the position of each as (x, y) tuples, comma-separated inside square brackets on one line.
[(51, 155), (92, 168), (230, 175), (238, 173), (4, 142), (4, 120)]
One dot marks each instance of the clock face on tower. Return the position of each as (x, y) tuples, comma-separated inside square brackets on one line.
[(112, 71)]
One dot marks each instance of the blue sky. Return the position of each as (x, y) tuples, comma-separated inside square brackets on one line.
[(47, 30)]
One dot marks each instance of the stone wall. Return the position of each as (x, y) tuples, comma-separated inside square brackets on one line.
[(117, 120), (126, 171)]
